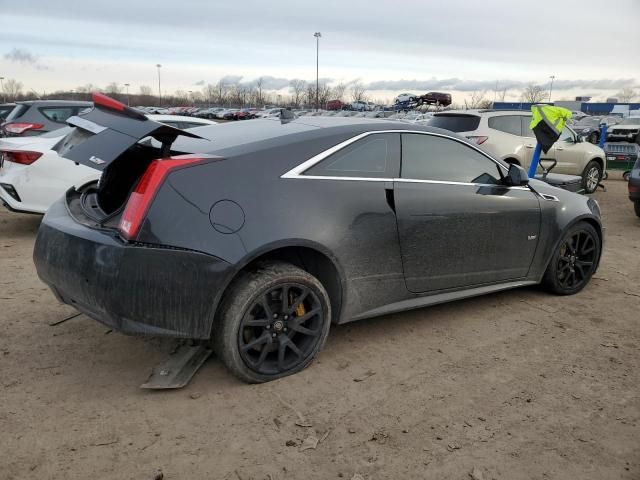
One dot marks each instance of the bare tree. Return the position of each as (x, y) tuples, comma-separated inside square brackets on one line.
[(534, 94), (476, 100), (209, 92), (324, 94), (88, 88), (358, 91), (626, 95), (259, 83), (113, 88), (221, 92), (502, 95), (338, 91), (12, 88), (297, 88), (146, 90)]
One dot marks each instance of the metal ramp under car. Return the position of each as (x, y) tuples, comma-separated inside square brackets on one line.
[(178, 369)]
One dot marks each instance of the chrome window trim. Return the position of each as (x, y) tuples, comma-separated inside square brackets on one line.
[(297, 172)]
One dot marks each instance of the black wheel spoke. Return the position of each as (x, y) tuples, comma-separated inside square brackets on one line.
[(264, 303), (582, 263), (286, 341), (301, 298), (257, 322), (302, 329), (285, 299), (310, 314), (281, 350), (264, 338), (263, 354)]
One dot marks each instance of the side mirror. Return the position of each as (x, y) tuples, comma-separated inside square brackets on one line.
[(516, 176)]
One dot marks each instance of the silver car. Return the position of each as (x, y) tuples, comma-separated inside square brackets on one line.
[(40, 116)]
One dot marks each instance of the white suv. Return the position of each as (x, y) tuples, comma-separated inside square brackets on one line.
[(506, 135)]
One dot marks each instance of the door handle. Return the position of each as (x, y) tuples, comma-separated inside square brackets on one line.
[(559, 148), (528, 146)]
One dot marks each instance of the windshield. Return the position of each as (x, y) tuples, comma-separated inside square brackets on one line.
[(631, 121)]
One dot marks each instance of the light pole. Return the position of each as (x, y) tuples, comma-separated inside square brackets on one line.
[(552, 77), (126, 85), (317, 35), (159, 91), (4, 95)]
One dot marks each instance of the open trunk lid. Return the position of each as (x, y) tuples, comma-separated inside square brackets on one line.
[(107, 131)]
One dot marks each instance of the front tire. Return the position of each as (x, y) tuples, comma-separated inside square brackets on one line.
[(574, 261), (272, 323), (591, 176)]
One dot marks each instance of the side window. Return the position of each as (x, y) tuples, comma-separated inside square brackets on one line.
[(567, 136), (428, 157), (507, 124), (370, 157), (526, 131), (58, 114)]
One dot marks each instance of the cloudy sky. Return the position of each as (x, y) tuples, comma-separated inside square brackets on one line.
[(456, 46)]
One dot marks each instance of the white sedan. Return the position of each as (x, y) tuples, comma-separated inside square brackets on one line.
[(33, 176)]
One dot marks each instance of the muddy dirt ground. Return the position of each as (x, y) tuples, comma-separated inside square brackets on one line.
[(516, 385)]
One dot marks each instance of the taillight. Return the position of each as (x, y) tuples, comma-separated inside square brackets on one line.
[(20, 156), (18, 128), (478, 140), (633, 188), (143, 194)]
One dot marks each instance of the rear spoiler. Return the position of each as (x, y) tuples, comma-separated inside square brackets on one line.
[(105, 132)]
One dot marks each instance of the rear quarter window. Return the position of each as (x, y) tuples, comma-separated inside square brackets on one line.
[(455, 123), (507, 124), (371, 157), (58, 114)]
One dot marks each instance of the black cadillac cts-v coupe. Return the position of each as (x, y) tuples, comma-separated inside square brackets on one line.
[(258, 235)]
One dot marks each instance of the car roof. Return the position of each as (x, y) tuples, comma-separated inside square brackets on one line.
[(233, 137), (178, 118)]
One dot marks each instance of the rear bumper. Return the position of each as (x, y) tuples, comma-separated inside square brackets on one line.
[(131, 288)]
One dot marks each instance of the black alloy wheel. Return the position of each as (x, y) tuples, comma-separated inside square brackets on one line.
[(280, 329), (272, 322), (575, 260)]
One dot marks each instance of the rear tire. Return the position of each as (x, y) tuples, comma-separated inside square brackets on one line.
[(591, 176), (574, 261), (636, 207), (258, 333), (626, 176)]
